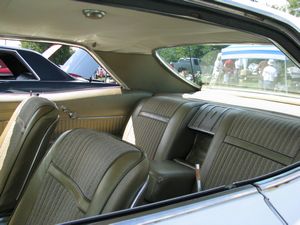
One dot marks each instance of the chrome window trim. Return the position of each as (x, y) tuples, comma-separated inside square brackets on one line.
[(281, 179), (191, 208)]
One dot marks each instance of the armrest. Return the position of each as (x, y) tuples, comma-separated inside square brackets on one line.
[(168, 179)]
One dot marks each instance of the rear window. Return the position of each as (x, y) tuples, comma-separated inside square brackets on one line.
[(249, 66)]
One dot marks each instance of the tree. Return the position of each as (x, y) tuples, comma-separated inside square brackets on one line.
[(59, 57), (294, 7), (62, 55), (190, 51), (35, 46)]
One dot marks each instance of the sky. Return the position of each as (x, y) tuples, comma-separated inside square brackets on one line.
[(277, 3), (10, 43)]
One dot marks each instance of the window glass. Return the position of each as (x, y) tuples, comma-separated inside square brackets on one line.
[(12, 68), (76, 62), (250, 67)]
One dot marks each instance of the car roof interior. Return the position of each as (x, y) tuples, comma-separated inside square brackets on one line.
[(141, 31)]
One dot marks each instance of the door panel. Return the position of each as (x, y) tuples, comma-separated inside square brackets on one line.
[(112, 125), (6, 111), (105, 109)]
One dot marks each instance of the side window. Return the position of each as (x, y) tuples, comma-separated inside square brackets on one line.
[(249, 66), (82, 65), (76, 62), (192, 62)]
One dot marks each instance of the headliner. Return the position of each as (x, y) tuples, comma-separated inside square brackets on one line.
[(121, 30)]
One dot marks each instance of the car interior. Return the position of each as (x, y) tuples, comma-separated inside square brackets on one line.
[(230, 143), (70, 155)]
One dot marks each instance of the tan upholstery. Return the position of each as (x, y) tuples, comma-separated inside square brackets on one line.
[(22, 144), (84, 173), (158, 126), (250, 144)]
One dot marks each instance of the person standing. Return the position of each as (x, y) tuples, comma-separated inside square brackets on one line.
[(261, 66), (269, 75), (238, 67), (228, 71)]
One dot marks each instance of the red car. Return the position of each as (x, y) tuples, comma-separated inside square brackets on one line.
[(4, 71)]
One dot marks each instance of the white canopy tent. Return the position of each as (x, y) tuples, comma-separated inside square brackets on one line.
[(254, 51)]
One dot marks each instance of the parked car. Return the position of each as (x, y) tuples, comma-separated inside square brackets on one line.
[(294, 73), (28, 71), (156, 148), (192, 65), (82, 65), (4, 71)]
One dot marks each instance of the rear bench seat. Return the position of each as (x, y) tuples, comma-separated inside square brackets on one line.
[(231, 145), (249, 144)]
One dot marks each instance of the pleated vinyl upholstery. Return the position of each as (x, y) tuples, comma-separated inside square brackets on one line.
[(62, 206), (274, 133), (70, 176), (208, 118), (85, 157), (234, 164), (113, 124), (148, 141), (162, 106), (252, 145), (152, 120)]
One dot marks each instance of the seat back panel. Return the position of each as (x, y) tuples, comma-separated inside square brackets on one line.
[(159, 127), (249, 144), (23, 143), (78, 176)]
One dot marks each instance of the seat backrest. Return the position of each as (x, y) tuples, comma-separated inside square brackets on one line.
[(22, 145), (249, 144), (158, 126), (83, 174)]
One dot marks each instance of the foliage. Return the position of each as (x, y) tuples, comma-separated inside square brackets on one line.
[(59, 57), (294, 6), (35, 46), (206, 53)]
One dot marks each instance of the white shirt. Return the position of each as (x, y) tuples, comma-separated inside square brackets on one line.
[(269, 73)]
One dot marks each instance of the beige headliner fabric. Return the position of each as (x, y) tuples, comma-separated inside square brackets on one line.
[(121, 30)]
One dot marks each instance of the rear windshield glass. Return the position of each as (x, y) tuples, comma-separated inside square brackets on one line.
[(249, 66)]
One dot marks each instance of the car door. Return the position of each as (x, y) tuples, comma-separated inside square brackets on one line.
[(100, 105), (103, 109)]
